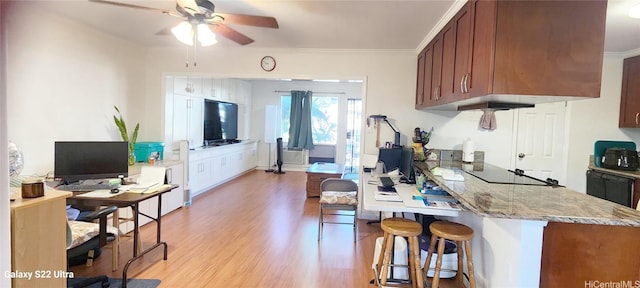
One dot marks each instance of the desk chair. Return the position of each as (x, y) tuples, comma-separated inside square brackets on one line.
[(83, 238), (339, 195)]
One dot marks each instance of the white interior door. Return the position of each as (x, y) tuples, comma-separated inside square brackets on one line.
[(540, 141)]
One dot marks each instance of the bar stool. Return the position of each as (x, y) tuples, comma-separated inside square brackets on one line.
[(461, 234), (393, 227)]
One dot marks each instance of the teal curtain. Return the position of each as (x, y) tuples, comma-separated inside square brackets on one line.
[(300, 133)]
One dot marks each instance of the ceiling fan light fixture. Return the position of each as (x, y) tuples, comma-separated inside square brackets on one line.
[(183, 32), (634, 12), (205, 36)]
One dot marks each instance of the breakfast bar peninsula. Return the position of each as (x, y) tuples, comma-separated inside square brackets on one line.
[(542, 235)]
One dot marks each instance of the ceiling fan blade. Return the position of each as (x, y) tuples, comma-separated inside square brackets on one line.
[(168, 12), (230, 33), (251, 20)]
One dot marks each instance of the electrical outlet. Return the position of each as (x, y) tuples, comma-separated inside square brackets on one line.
[(446, 155)]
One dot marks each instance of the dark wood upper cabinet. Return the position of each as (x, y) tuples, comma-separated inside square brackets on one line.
[(436, 71), (420, 81), (446, 90), (533, 48), (463, 25), (630, 98), (425, 92)]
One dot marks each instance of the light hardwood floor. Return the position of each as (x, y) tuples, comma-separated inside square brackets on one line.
[(258, 230)]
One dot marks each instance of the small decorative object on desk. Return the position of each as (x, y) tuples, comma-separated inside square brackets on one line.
[(32, 188)]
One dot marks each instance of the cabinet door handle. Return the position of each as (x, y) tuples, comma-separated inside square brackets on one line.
[(466, 86), (169, 176), (637, 118), (462, 83)]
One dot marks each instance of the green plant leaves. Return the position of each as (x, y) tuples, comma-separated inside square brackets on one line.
[(122, 127)]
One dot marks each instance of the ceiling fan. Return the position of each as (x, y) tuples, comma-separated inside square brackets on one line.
[(199, 16)]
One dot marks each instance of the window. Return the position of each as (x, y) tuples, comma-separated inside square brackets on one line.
[(324, 119)]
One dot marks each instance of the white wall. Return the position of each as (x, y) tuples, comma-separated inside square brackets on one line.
[(63, 81)]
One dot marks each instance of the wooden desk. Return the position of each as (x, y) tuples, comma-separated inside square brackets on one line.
[(318, 172), (39, 240), (131, 200)]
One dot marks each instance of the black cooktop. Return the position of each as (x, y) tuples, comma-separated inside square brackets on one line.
[(498, 175)]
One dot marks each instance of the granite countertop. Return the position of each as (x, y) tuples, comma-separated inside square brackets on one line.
[(527, 202)]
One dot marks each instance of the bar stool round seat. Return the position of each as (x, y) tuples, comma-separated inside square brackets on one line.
[(462, 235), (393, 227)]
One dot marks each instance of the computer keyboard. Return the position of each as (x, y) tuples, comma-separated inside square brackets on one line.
[(386, 181), (85, 187)]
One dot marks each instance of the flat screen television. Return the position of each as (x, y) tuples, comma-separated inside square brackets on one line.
[(75, 161), (220, 121)]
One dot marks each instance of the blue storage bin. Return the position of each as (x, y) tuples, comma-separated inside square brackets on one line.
[(143, 150)]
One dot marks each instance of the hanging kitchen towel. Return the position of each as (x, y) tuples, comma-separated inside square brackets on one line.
[(488, 120)]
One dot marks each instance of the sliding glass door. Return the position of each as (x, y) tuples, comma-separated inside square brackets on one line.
[(354, 122)]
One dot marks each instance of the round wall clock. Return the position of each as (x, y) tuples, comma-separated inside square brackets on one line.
[(268, 63)]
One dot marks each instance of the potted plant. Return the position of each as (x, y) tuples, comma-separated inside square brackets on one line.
[(122, 126)]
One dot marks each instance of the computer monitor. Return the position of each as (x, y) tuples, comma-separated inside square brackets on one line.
[(75, 161), (406, 166), (391, 158)]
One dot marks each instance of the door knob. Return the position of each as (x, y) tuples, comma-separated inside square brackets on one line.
[(521, 155)]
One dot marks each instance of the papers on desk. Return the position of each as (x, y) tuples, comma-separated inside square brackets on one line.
[(414, 199), (441, 201), (387, 194), (151, 178), (99, 194), (150, 189)]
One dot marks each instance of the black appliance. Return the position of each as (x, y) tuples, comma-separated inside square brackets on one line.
[(279, 161), (620, 159), (610, 187), (492, 174)]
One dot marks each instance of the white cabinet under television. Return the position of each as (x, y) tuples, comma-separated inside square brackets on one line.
[(212, 166)]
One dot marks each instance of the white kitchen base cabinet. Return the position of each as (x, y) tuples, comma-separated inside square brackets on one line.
[(212, 166)]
